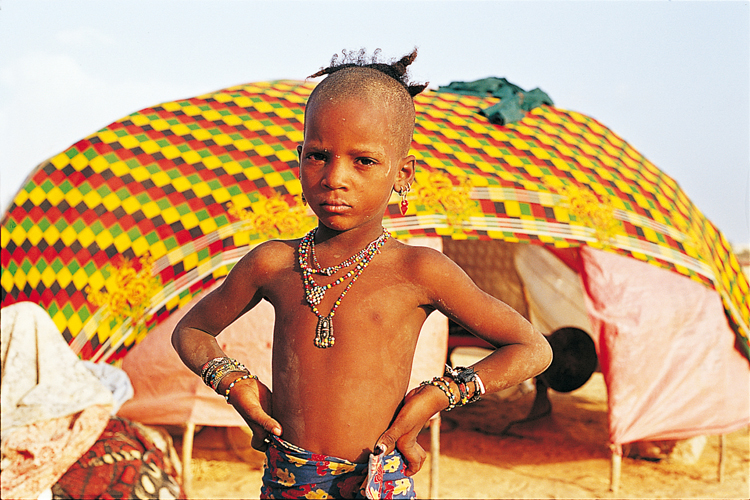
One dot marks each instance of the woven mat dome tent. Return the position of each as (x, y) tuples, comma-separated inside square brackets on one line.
[(125, 227)]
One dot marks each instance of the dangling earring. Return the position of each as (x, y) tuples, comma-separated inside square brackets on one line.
[(304, 200), (404, 202)]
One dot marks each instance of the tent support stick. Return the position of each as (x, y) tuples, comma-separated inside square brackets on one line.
[(722, 456), (187, 456), (615, 468), (434, 455)]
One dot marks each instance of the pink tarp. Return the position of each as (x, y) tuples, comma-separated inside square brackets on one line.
[(167, 393), (666, 352)]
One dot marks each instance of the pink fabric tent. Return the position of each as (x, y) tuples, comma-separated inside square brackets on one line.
[(666, 352), (665, 348)]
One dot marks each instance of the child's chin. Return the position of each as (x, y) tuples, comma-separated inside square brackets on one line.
[(336, 224)]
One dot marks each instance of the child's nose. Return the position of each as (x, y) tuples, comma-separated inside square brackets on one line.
[(336, 173)]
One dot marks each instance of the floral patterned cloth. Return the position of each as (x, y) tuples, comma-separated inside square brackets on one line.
[(293, 472)]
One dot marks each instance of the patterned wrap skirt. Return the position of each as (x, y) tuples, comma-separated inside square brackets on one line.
[(293, 472)]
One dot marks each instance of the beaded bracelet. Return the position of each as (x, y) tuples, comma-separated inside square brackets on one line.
[(208, 371), (463, 376), (444, 386), (216, 369), (217, 372), (223, 371), (463, 393), (210, 365), (244, 377)]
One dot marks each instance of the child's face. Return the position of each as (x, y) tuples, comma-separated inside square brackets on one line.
[(350, 162)]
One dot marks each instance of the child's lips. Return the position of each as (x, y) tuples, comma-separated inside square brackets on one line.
[(335, 207)]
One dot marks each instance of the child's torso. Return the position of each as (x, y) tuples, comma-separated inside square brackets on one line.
[(337, 401)]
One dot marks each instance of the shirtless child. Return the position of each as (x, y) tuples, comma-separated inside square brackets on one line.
[(342, 355)]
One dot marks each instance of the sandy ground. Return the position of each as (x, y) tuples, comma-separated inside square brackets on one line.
[(564, 455)]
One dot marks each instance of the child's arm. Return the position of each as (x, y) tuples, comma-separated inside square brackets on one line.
[(521, 351), (194, 338)]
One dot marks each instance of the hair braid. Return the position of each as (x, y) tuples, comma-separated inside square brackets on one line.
[(397, 70)]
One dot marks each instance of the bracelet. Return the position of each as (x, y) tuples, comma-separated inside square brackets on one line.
[(244, 377), (209, 366), (463, 393), (479, 385), (444, 386), (222, 372), (463, 376), (216, 369)]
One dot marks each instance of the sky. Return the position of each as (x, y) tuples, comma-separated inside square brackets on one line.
[(671, 78)]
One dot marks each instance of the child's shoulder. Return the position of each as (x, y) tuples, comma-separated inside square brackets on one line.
[(274, 246), (421, 258), (270, 255)]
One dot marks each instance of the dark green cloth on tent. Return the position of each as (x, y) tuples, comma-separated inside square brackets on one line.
[(514, 101)]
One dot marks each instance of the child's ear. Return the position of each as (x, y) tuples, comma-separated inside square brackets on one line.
[(405, 175)]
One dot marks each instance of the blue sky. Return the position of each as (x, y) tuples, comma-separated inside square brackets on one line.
[(671, 78)]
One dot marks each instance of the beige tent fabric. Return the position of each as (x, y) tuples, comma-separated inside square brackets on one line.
[(554, 291), (53, 407), (167, 393), (489, 263)]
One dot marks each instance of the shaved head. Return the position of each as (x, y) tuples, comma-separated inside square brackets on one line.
[(377, 90)]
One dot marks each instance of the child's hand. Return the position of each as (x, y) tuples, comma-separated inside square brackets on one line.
[(253, 401), (419, 405)]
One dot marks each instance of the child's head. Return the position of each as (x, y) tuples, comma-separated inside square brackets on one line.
[(381, 84), (358, 128)]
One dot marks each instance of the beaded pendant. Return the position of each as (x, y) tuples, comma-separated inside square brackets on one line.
[(324, 333)]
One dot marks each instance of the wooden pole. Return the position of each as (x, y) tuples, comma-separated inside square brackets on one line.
[(434, 455), (722, 456), (615, 468), (187, 456)]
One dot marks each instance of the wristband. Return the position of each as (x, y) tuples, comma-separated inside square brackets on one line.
[(444, 386), (244, 377)]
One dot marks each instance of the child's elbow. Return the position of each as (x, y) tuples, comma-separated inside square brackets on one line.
[(177, 337)]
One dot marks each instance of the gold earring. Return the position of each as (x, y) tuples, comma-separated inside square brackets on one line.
[(304, 200)]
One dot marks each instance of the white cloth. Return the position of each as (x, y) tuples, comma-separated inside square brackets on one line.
[(42, 378), (53, 407), (115, 379)]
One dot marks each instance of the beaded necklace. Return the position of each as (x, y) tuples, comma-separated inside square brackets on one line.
[(314, 293), (330, 271)]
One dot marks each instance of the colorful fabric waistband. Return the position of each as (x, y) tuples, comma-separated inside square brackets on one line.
[(293, 472)]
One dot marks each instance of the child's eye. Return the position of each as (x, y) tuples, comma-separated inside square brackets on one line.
[(366, 161), (316, 157)]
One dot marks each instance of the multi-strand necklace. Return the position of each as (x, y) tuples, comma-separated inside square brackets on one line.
[(314, 293)]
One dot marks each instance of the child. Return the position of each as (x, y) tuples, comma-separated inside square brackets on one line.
[(349, 303)]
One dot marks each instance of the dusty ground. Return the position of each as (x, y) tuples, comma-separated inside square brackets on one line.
[(564, 455)]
